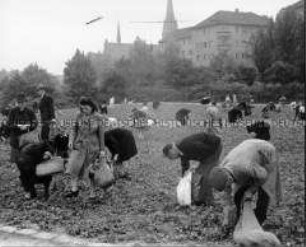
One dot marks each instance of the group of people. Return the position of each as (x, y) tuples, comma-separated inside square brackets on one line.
[(251, 166), (86, 140)]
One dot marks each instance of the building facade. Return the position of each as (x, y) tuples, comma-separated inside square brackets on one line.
[(116, 51), (225, 32)]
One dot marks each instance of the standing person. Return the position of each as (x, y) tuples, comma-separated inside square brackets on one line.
[(103, 107), (47, 113), (204, 147), (250, 167), (86, 142), (21, 120), (214, 114), (111, 101), (234, 99)]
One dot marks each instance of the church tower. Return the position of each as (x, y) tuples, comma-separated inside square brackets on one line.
[(118, 33), (170, 24)]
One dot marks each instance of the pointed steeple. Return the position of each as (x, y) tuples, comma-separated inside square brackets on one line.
[(170, 24), (118, 33)]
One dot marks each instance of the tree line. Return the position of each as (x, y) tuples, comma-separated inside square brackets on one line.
[(278, 54)]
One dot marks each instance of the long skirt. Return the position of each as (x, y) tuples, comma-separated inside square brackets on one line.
[(78, 164)]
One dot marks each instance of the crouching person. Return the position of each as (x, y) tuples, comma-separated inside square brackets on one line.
[(29, 157), (250, 167), (203, 147), (86, 143), (121, 143)]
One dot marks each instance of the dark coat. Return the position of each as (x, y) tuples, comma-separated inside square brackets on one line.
[(46, 108), (199, 146), (121, 141), (182, 116), (234, 114), (261, 129), (29, 157), (205, 148), (16, 117)]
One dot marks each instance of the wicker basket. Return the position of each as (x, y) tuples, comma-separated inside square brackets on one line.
[(49, 167)]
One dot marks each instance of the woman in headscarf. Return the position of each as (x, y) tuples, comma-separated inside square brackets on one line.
[(86, 142)]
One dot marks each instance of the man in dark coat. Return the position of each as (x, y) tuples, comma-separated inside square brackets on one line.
[(21, 120), (203, 147), (47, 113)]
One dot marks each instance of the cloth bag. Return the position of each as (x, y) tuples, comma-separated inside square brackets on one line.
[(183, 190), (102, 172), (51, 166)]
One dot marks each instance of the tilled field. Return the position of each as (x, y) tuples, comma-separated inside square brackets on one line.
[(144, 209)]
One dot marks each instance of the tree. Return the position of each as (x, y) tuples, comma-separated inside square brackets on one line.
[(80, 77), (290, 41), (263, 46), (27, 82), (280, 72), (11, 87), (285, 35), (114, 85), (245, 74), (33, 76), (223, 65)]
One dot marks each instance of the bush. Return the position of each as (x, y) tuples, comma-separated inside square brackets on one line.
[(245, 74), (280, 72)]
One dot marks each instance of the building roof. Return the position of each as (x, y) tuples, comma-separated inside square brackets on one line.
[(296, 6), (182, 33), (234, 18)]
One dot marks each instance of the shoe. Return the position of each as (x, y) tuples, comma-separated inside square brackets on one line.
[(72, 194)]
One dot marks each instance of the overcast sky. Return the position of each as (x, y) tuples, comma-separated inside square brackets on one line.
[(48, 32)]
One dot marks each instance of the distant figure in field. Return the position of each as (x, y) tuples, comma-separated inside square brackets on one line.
[(103, 107), (155, 104), (111, 101), (235, 101), (183, 115), (299, 111), (235, 113), (214, 114)]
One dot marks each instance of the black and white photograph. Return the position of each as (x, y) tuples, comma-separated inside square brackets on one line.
[(142, 123)]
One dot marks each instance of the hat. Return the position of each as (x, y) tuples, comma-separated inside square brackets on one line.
[(218, 178), (21, 98)]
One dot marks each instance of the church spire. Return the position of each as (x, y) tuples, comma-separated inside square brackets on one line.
[(170, 24), (118, 33)]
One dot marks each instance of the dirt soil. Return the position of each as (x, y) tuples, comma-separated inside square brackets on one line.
[(144, 209)]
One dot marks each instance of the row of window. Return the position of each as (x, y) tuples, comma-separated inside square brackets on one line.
[(210, 56)]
